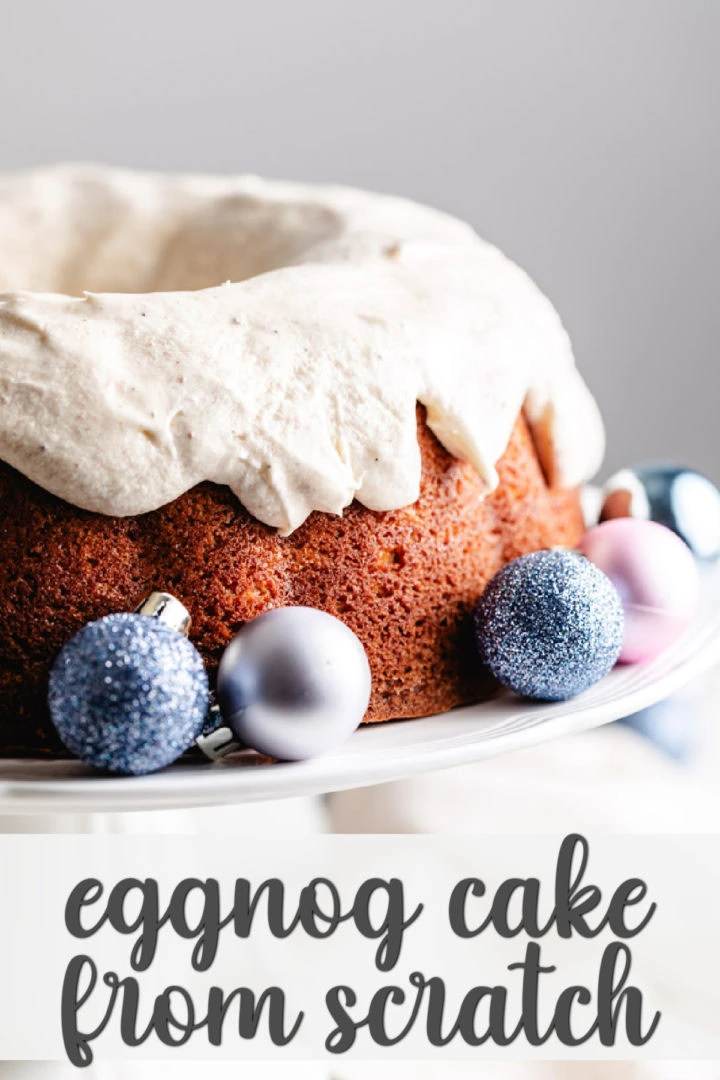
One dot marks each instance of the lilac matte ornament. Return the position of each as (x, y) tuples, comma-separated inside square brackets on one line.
[(656, 576), (293, 683)]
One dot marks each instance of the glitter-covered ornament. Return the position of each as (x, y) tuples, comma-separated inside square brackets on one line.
[(681, 499), (549, 625), (657, 578), (129, 693), (294, 683)]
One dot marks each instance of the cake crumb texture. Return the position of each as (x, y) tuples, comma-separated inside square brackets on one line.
[(404, 580)]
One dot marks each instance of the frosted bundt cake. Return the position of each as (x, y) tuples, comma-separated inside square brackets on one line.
[(252, 394)]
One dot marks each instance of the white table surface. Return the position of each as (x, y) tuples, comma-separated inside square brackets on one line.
[(411, 1070)]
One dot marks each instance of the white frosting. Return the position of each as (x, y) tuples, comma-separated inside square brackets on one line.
[(296, 384)]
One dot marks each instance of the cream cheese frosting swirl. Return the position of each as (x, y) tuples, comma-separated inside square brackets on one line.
[(274, 337)]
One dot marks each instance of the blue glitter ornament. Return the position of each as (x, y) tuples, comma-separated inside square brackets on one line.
[(549, 625), (128, 694), (294, 683), (681, 499)]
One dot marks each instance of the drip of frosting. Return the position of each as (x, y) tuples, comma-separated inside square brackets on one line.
[(273, 337)]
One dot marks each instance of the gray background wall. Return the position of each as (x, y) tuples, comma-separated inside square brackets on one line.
[(579, 135)]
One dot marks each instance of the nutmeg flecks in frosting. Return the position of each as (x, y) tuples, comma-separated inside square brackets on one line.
[(294, 383)]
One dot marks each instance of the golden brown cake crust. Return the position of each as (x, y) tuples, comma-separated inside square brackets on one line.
[(405, 581)]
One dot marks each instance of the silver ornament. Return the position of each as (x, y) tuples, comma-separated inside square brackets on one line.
[(294, 683)]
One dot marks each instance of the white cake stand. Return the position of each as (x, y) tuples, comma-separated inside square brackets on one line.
[(381, 752)]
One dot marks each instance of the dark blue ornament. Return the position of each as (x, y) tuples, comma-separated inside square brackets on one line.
[(549, 625), (681, 499), (669, 725), (128, 694)]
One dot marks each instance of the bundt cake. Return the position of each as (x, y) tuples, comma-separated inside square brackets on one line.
[(252, 393)]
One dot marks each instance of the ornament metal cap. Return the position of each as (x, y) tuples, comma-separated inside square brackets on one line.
[(214, 742), (166, 608), (218, 743)]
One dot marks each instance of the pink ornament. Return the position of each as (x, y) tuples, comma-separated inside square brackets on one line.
[(656, 576)]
